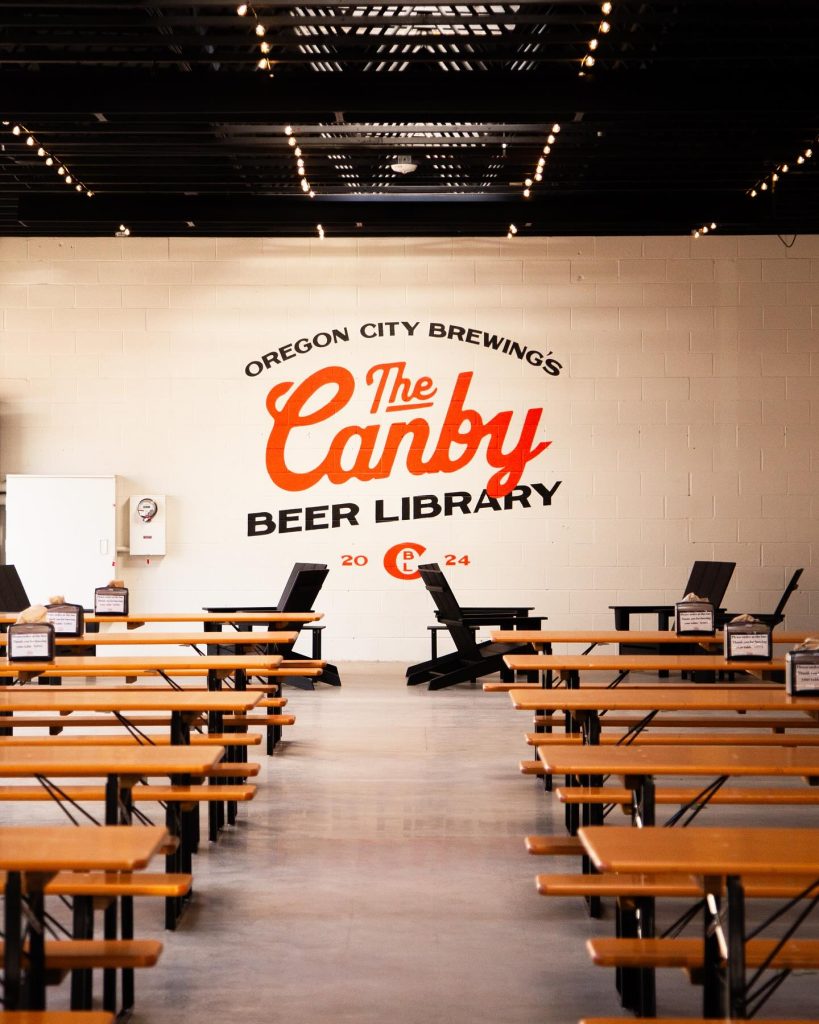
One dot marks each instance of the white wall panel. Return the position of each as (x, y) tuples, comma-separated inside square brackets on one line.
[(683, 423)]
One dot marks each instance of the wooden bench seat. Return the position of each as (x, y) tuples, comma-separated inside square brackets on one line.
[(553, 846), (506, 687), (693, 739), (662, 885), (115, 884), (163, 794), (267, 720), (738, 721), (64, 955), (106, 884), (232, 770), (211, 739), (86, 721), (795, 955), (807, 796)]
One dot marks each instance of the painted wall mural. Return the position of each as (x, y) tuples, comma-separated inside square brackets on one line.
[(396, 417)]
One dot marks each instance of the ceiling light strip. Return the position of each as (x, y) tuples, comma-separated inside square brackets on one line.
[(704, 229), (769, 182), (264, 63), (301, 170), (21, 132), (537, 173), (603, 29)]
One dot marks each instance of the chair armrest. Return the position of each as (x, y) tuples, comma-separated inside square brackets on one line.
[(636, 609), (243, 608), (517, 617)]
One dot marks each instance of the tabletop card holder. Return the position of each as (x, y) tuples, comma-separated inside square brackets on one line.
[(30, 641), (694, 617), (67, 619), (802, 670), (111, 600), (748, 639)]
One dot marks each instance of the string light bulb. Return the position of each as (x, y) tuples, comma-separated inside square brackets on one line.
[(264, 63), (769, 180), (301, 169), (31, 142), (320, 230)]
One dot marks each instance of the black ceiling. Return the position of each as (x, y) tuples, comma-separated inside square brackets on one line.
[(163, 112)]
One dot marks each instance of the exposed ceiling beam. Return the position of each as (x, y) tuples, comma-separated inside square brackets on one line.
[(370, 96)]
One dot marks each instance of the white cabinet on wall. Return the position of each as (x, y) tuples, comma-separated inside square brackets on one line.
[(61, 534)]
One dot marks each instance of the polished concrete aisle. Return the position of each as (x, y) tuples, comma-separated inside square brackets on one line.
[(380, 876)]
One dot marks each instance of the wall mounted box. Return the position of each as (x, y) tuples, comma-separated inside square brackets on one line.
[(748, 641), (694, 618), (146, 524), (30, 641), (802, 673), (111, 601), (67, 619)]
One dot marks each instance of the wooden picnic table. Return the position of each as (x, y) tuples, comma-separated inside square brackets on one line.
[(181, 704), (213, 619), (718, 858), (640, 764), (91, 665), (569, 666), (216, 667), (33, 855), (130, 639), (121, 767), (543, 638)]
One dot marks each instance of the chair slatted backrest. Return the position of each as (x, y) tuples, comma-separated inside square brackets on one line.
[(302, 587), (710, 580), (451, 615), (792, 585), (13, 597)]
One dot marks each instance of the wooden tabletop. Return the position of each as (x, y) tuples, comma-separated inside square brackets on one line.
[(82, 848), (614, 636), (711, 761), (638, 663), (225, 618), (124, 666), (55, 699), (660, 698), (703, 851), (21, 761), (235, 638)]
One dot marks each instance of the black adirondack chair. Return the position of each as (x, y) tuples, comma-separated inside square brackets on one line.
[(13, 597), (470, 660), (708, 579), (299, 595), (778, 614)]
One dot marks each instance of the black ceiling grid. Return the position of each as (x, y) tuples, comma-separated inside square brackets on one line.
[(163, 112)]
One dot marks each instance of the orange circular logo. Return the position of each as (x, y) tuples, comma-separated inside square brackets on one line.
[(400, 560)]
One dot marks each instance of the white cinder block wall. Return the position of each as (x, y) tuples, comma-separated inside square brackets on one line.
[(683, 424)]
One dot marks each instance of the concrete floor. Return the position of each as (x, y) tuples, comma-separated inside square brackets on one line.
[(380, 875)]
